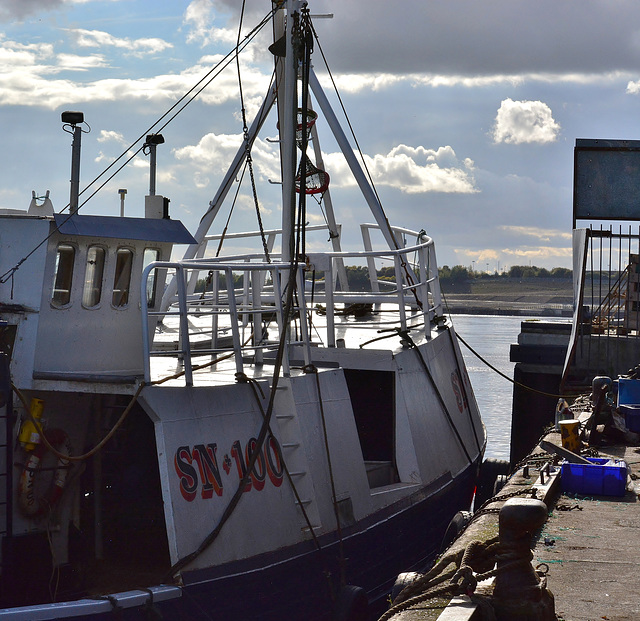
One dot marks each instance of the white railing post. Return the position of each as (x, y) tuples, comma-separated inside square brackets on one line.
[(400, 290), (424, 289), (146, 340), (257, 278), (215, 300), (233, 313), (371, 262), (435, 281), (302, 309), (282, 326), (329, 306), (183, 341)]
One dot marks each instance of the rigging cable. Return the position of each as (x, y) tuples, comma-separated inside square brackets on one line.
[(404, 334), (247, 147), (500, 373), (514, 382), (304, 40), (408, 273), (229, 509), (235, 200)]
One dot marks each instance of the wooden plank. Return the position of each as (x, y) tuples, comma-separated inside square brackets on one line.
[(570, 456)]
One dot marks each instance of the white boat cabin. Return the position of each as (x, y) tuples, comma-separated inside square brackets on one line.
[(84, 280)]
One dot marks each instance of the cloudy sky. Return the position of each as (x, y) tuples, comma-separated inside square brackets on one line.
[(467, 112)]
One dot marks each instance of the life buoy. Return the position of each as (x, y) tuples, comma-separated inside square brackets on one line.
[(30, 504)]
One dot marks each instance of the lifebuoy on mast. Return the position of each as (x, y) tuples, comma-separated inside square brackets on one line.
[(31, 504)]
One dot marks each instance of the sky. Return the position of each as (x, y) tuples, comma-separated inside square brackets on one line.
[(466, 112)]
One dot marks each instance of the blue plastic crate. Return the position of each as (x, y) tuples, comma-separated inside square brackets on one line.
[(631, 413), (597, 480), (628, 391)]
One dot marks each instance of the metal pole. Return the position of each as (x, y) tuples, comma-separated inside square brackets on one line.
[(75, 169), (152, 172)]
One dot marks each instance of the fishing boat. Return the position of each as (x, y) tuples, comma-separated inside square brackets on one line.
[(238, 433)]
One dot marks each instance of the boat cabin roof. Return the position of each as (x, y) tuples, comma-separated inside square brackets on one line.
[(147, 229)]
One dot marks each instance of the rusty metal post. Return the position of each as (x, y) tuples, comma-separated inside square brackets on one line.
[(519, 594)]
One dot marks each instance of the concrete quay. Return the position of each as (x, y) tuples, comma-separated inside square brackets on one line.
[(588, 547)]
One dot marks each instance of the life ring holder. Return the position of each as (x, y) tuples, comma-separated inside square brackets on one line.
[(30, 504)]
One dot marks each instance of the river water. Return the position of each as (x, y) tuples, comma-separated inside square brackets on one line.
[(491, 336)]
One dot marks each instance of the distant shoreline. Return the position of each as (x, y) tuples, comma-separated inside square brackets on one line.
[(540, 297), (515, 312)]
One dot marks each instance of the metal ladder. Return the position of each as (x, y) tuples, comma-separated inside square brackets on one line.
[(296, 460)]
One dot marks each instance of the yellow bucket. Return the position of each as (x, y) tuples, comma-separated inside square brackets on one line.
[(570, 434)]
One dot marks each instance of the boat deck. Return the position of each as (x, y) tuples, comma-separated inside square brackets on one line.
[(355, 336)]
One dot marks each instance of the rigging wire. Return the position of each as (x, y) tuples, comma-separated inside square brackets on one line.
[(409, 275), (346, 116), (305, 40), (235, 200), (514, 382), (247, 147), (500, 373)]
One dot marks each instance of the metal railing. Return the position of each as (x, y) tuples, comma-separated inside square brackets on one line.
[(612, 278), (243, 293), (608, 306)]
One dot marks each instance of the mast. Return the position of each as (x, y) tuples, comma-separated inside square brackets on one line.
[(287, 116)]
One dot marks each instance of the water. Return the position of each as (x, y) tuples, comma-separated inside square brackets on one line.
[(491, 336)]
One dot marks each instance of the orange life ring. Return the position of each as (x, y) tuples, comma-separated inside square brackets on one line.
[(29, 503)]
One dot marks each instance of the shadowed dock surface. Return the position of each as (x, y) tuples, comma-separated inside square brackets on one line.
[(591, 545), (593, 551)]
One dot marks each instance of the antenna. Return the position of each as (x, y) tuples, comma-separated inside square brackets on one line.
[(73, 120), (153, 140)]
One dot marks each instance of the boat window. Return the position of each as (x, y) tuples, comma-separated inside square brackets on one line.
[(151, 255), (122, 278), (63, 275), (92, 291)]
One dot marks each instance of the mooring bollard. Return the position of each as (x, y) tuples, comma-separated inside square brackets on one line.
[(519, 593)]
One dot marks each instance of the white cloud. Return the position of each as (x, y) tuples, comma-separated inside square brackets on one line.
[(544, 235), (354, 83), (27, 79), (366, 82), (73, 62), (199, 18), (538, 252), (213, 153), (520, 122), (412, 170), (111, 136), (136, 47), (13, 54)]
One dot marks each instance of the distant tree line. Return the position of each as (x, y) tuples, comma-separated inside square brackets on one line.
[(358, 276), (460, 273)]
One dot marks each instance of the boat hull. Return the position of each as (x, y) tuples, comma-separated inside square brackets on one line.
[(297, 583), (302, 581)]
